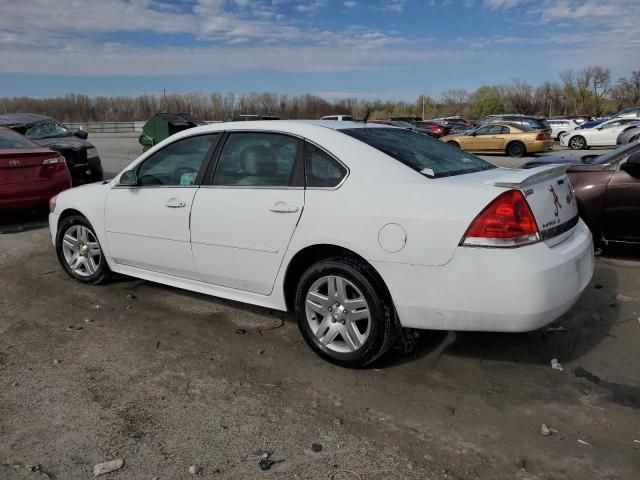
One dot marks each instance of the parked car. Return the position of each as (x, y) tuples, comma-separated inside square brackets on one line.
[(514, 140), (593, 123), (604, 135), (81, 156), (536, 123), (30, 174), (163, 125), (579, 119), (633, 112), (560, 126), (406, 125), (629, 135), (607, 189), (339, 118), (360, 229), (252, 118), (435, 128)]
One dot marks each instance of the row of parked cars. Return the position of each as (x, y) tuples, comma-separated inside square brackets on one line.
[(40, 157)]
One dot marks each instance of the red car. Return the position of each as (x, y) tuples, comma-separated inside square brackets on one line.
[(29, 173), (435, 128)]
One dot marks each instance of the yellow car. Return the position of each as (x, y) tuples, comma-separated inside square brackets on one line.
[(514, 140)]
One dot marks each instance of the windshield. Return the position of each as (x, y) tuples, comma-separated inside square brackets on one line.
[(419, 152), (614, 154), (48, 129), (10, 139)]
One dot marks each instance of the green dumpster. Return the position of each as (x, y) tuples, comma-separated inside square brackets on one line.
[(163, 125)]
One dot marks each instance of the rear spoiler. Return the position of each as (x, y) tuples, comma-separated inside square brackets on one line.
[(523, 178)]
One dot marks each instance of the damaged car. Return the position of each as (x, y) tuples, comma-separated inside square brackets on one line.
[(81, 156)]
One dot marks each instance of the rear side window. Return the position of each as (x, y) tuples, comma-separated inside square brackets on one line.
[(420, 152), (11, 139), (322, 170), (260, 160)]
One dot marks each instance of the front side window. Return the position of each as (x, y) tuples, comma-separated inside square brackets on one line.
[(322, 171), (260, 160), (177, 164), (421, 153)]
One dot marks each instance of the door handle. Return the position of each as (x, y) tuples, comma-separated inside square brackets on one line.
[(282, 207), (175, 203)]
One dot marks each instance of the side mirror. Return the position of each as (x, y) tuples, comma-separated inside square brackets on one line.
[(81, 134), (128, 179), (633, 162)]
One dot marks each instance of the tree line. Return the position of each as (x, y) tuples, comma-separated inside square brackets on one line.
[(590, 91)]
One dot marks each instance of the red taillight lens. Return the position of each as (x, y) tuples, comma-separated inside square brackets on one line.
[(57, 162), (540, 136), (506, 222)]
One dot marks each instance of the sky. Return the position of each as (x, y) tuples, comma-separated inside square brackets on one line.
[(374, 49)]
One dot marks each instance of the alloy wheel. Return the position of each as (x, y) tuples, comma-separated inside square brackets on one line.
[(577, 143), (81, 250), (338, 314)]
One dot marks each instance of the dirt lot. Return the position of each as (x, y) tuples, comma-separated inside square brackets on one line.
[(166, 379)]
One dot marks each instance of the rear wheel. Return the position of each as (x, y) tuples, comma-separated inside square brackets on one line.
[(577, 143), (79, 251), (516, 149), (344, 312)]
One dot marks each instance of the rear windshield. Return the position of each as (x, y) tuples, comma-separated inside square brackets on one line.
[(420, 152), (10, 139)]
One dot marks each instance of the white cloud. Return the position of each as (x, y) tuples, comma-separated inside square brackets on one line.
[(502, 4), (350, 3)]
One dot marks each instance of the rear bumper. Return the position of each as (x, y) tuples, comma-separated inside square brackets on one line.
[(499, 290), (33, 194), (538, 146)]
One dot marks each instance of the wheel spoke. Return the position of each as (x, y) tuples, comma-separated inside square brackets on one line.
[(355, 304), (75, 261), (353, 337), (90, 265), (359, 315), (69, 241), (94, 248), (337, 289), (322, 328), (331, 335)]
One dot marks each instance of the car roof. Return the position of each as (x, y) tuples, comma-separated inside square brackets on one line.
[(16, 119), (284, 124)]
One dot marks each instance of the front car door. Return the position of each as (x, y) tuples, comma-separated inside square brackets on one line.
[(147, 224), (242, 220), (622, 204), (487, 138)]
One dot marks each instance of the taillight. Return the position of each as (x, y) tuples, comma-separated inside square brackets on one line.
[(540, 136), (59, 163), (506, 222)]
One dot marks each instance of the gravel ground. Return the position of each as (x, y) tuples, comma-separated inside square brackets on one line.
[(166, 379)]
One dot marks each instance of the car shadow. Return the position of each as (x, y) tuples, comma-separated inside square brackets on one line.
[(568, 338), (17, 221)]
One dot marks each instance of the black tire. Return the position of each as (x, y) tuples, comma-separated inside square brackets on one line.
[(577, 142), (455, 144), (383, 328), (102, 273), (516, 149)]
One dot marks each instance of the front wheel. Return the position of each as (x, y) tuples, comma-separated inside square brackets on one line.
[(79, 251), (577, 143), (344, 312)]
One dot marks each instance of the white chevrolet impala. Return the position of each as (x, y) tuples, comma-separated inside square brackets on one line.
[(360, 229)]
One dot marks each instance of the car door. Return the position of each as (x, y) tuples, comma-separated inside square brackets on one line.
[(622, 203), (605, 134), (147, 224), (488, 138), (242, 220)]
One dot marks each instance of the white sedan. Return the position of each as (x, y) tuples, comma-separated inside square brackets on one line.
[(603, 135), (360, 229)]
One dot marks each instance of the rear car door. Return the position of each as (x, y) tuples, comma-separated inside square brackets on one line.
[(147, 224), (622, 204), (242, 220)]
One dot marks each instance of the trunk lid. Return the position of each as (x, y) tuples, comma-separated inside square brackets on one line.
[(26, 165), (550, 196)]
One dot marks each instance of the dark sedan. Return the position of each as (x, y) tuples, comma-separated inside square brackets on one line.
[(81, 156), (607, 188)]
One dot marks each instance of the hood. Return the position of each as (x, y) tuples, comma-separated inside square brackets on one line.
[(65, 143)]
